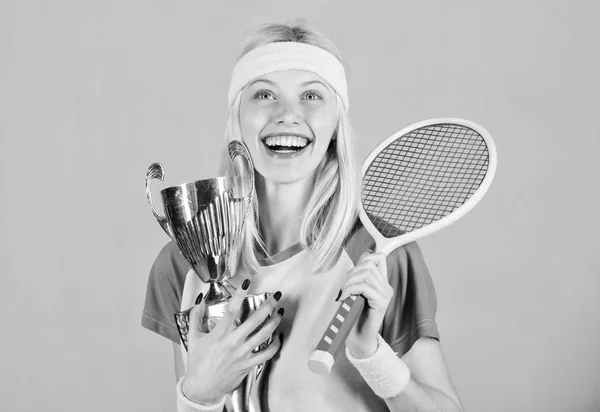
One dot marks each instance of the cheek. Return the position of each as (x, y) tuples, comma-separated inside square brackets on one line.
[(323, 123), (252, 122)]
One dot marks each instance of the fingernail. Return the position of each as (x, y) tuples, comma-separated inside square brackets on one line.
[(280, 311), (370, 250), (199, 298), (246, 284), (281, 337), (277, 295), (338, 296)]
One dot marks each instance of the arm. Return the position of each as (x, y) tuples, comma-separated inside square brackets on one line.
[(430, 387), (183, 404)]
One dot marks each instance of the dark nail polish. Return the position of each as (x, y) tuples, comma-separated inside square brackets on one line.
[(246, 284), (338, 296), (281, 337), (277, 295), (199, 298), (280, 311)]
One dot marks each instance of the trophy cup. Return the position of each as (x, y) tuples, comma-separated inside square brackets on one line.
[(206, 220)]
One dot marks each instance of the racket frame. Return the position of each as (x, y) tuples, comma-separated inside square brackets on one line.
[(386, 245)]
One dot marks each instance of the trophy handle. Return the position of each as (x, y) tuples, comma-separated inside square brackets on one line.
[(237, 148), (155, 171)]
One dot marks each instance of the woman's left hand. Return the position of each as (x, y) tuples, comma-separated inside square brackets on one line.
[(369, 279)]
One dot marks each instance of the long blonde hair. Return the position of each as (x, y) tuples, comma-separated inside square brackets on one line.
[(332, 207)]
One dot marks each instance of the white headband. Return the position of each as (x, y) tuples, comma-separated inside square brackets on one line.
[(274, 57)]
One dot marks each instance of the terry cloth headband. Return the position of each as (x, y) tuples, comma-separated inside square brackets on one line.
[(274, 57)]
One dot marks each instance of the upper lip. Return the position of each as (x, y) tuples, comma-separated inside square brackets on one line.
[(286, 134)]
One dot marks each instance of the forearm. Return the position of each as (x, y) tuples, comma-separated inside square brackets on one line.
[(392, 380), (417, 397)]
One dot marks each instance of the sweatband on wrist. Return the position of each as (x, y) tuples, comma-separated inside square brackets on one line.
[(186, 405), (385, 373), (274, 57)]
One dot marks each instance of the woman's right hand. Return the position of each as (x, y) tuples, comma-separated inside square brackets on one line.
[(218, 361)]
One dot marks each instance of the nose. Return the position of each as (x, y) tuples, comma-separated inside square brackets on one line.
[(289, 114)]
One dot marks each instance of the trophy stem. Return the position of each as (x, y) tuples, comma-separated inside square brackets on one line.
[(218, 292)]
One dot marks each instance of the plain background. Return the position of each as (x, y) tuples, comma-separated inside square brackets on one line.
[(93, 92)]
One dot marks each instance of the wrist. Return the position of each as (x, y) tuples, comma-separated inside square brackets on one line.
[(384, 371), (364, 348), (187, 390)]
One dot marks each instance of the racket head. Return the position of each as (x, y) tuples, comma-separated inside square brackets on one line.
[(425, 177)]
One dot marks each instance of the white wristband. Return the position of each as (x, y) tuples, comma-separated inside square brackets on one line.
[(383, 371), (186, 405)]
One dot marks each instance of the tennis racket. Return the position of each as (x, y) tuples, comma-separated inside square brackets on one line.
[(416, 182)]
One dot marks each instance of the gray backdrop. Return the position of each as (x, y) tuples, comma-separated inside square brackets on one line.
[(92, 92)]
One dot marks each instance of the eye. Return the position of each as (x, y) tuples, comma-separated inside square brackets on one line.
[(312, 95), (263, 94)]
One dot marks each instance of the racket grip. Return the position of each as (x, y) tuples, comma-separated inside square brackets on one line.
[(335, 336)]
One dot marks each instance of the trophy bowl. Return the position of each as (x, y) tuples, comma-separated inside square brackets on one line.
[(206, 219)]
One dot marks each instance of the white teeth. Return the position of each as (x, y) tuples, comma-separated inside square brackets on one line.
[(286, 141)]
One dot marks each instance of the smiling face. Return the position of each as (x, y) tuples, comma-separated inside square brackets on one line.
[(287, 120)]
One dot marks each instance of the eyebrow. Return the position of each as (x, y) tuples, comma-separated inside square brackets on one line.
[(272, 83), (313, 81)]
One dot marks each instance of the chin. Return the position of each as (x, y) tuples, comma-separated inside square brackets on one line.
[(283, 177), (286, 180)]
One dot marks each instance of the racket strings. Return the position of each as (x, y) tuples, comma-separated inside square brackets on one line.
[(423, 176)]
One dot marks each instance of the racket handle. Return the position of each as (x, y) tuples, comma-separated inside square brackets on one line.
[(336, 334)]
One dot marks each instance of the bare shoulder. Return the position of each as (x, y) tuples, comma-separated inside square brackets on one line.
[(428, 366)]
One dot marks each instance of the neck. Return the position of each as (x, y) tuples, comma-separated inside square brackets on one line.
[(281, 207)]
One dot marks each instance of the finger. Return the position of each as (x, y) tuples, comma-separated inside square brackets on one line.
[(382, 286), (369, 292), (366, 263), (377, 259), (382, 265), (233, 307), (259, 316), (266, 331), (366, 273), (369, 256), (195, 316), (199, 298), (360, 270), (365, 255), (266, 354)]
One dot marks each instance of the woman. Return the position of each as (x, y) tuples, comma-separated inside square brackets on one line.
[(288, 102)]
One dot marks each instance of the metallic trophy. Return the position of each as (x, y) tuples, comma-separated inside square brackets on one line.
[(206, 220)]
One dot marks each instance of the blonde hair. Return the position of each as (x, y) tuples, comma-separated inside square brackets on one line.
[(331, 210)]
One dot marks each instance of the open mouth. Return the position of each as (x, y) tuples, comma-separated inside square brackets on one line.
[(286, 144)]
